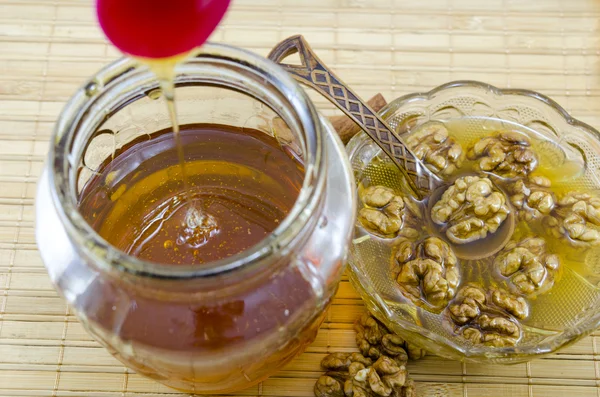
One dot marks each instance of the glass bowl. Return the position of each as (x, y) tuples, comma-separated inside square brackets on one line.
[(558, 317)]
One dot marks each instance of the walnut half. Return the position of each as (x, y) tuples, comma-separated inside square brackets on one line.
[(532, 197), (428, 271), (438, 151), (374, 340), (506, 154), (527, 265), (488, 318), (576, 218), (385, 211), (470, 208)]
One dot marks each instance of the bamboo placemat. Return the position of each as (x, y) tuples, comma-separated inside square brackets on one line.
[(48, 48)]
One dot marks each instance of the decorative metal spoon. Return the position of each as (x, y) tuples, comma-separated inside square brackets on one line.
[(317, 75), (424, 183)]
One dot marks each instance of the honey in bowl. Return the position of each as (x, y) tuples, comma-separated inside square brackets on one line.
[(500, 255)]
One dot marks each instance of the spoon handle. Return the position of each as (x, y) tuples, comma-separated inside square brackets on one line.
[(317, 75)]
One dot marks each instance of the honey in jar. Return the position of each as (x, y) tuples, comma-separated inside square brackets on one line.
[(214, 287), (241, 186)]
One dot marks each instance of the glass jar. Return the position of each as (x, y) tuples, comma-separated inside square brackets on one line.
[(228, 324)]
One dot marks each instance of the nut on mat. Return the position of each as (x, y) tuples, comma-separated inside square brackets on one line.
[(379, 370)]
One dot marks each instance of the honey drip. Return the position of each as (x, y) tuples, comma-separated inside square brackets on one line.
[(198, 224)]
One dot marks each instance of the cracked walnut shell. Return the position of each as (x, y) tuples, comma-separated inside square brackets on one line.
[(438, 151), (470, 208), (527, 265), (488, 318), (428, 271), (507, 154), (385, 212)]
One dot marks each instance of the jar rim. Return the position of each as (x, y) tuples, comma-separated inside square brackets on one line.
[(63, 165)]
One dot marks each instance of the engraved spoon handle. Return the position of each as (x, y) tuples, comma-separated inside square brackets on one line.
[(317, 75)]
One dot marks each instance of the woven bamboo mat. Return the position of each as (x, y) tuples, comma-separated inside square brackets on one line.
[(48, 48)]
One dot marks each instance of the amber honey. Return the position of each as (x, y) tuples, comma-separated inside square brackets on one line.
[(566, 174), (240, 186), (217, 307), (574, 284)]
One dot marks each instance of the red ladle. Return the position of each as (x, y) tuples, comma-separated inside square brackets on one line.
[(159, 29)]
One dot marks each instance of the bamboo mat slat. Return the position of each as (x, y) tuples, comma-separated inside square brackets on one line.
[(49, 48)]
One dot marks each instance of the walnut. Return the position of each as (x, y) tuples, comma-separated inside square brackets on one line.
[(414, 352), (336, 361), (369, 333), (469, 300), (428, 271), (385, 212), (469, 209), (506, 154), (527, 265), (576, 218), (344, 361), (328, 386), (383, 378), (355, 375), (439, 152), (532, 197), (498, 331), (394, 346), (487, 317), (517, 306), (374, 339)]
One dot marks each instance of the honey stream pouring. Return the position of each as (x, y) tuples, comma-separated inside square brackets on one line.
[(184, 24)]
